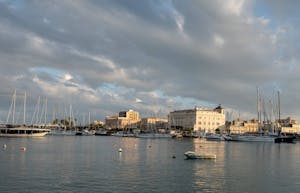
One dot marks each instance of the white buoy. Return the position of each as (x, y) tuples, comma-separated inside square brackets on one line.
[(4, 146), (120, 150), (23, 148)]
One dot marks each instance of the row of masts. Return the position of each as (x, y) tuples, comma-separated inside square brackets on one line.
[(40, 113), (268, 112)]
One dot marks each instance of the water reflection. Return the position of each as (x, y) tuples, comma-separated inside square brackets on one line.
[(209, 174)]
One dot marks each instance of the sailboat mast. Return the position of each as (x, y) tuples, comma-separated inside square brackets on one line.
[(14, 107), (278, 106), (89, 120), (257, 105), (46, 106), (24, 108)]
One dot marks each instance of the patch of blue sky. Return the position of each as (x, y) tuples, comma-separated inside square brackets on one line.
[(262, 10), (14, 4), (115, 89), (189, 103), (54, 73)]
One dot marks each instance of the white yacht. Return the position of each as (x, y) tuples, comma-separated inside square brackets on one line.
[(23, 131)]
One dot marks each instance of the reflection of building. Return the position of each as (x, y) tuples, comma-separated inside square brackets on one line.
[(125, 120), (151, 124), (198, 119)]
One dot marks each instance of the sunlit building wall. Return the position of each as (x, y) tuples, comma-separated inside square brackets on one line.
[(198, 119), (125, 120), (150, 124)]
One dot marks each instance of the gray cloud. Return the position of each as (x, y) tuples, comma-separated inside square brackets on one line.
[(191, 53)]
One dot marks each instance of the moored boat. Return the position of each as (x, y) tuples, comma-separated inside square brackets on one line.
[(214, 137), (193, 155), (251, 138), (285, 139), (154, 135), (23, 132)]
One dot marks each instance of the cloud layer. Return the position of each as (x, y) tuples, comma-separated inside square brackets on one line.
[(152, 56)]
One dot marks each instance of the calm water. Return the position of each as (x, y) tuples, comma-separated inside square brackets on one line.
[(93, 164)]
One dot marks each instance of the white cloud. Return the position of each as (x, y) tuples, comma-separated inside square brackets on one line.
[(263, 20), (234, 7), (67, 77), (218, 40)]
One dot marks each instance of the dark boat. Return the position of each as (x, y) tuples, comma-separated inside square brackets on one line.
[(285, 139)]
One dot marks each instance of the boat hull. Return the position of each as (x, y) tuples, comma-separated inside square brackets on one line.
[(23, 132), (24, 135), (193, 155), (285, 139)]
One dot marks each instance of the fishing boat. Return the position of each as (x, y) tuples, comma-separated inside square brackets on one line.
[(193, 155)]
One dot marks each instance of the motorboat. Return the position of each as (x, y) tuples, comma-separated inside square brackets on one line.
[(102, 133), (193, 155), (214, 137)]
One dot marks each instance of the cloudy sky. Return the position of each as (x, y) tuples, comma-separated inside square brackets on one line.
[(153, 56)]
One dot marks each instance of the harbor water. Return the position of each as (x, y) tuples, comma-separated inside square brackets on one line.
[(94, 164)]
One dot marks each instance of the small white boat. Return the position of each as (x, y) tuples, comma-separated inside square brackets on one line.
[(193, 155), (214, 137)]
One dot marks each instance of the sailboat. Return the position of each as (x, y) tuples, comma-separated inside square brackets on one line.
[(14, 130), (266, 134)]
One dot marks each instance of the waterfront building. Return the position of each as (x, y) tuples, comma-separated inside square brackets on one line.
[(198, 119), (241, 126), (126, 120), (152, 124), (290, 126)]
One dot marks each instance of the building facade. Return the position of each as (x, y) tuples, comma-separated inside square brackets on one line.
[(198, 119), (242, 126), (125, 120), (153, 124), (290, 126)]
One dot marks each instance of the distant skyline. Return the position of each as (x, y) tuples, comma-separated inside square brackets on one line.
[(152, 56)]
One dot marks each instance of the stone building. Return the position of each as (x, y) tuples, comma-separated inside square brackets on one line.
[(152, 124), (198, 119), (126, 120)]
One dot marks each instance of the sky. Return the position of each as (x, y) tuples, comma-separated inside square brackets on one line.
[(153, 56)]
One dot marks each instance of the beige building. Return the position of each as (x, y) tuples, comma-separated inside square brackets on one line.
[(150, 124), (241, 126), (125, 120), (290, 125), (198, 119)]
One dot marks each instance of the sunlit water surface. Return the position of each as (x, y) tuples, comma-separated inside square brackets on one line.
[(94, 164)]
